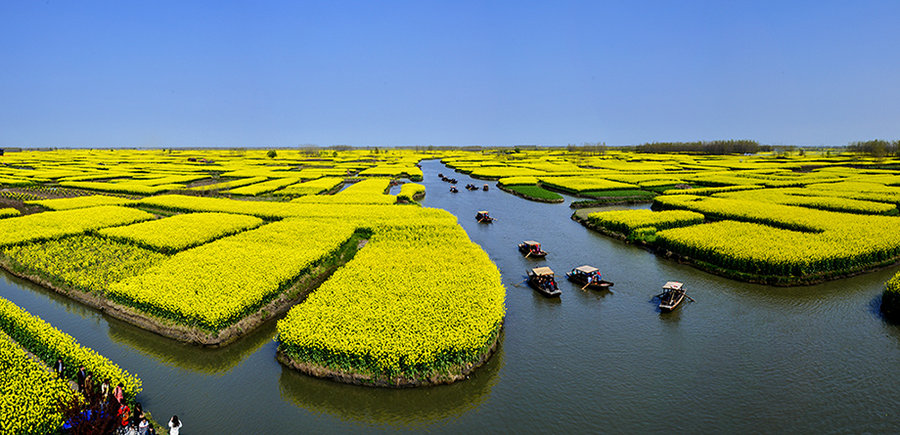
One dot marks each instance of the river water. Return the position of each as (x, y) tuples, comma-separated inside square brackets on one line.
[(742, 358)]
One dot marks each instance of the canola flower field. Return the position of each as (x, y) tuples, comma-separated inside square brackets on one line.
[(378, 314), (765, 218), (80, 202), (29, 393), (32, 394), (205, 239), (183, 231), (208, 262)]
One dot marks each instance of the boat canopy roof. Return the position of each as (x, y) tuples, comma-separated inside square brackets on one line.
[(542, 271), (531, 242), (483, 212), (673, 285), (587, 269)]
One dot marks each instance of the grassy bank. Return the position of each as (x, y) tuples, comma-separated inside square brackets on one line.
[(532, 193)]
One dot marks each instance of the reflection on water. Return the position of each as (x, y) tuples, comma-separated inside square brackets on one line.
[(186, 356), (170, 352), (68, 304), (392, 407)]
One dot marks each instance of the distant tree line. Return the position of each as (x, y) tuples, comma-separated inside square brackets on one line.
[(731, 146), (589, 148), (876, 148)]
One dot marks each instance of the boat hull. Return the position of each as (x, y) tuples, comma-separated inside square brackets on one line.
[(484, 219), (543, 291), (524, 250), (602, 285), (668, 304)]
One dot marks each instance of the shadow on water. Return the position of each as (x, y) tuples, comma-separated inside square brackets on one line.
[(187, 356), (671, 317), (892, 325), (413, 407), (874, 308)]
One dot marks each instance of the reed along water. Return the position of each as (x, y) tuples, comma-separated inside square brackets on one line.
[(742, 358)]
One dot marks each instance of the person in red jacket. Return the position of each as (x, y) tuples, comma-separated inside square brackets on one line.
[(124, 414)]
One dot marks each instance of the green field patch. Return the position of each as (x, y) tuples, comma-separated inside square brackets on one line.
[(535, 192)]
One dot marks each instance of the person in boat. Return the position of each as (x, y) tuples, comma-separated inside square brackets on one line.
[(595, 278), (535, 249)]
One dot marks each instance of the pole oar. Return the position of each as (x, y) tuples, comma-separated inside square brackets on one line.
[(690, 298), (529, 253)]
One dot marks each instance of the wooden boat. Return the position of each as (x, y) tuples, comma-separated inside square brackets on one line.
[(471, 187), (672, 296), (484, 188), (542, 280), (441, 175), (483, 217), (589, 277), (453, 189), (530, 248)]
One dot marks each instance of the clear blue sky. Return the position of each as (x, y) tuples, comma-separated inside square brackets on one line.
[(185, 73)]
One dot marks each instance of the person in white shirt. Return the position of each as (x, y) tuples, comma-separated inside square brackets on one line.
[(174, 425)]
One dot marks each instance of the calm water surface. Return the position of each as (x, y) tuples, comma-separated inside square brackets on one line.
[(743, 358)]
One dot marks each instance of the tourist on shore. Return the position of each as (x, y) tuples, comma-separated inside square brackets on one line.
[(143, 427), (174, 425), (81, 375), (105, 390), (138, 414), (119, 393), (59, 368), (88, 386), (124, 415)]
